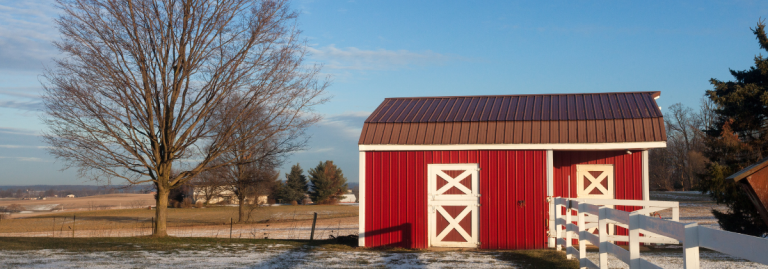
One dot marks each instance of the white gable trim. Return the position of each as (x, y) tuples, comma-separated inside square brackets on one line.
[(575, 146)]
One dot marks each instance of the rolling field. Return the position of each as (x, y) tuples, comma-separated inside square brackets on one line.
[(288, 222)]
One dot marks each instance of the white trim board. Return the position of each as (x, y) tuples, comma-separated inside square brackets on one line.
[(550, 197), (361, 201), (575, 146), (646, 179)]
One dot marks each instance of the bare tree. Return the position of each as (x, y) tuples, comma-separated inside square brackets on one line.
[(253, 159), (685, 144), (140, 83)]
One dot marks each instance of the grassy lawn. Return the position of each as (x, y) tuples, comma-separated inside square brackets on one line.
[(543, 258), (177, 217)]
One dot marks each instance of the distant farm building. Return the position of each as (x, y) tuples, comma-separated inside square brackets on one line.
[(477, 171), (70, 196), (753, 180), (224, 194), (348, 197)]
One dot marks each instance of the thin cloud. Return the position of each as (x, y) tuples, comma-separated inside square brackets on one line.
[(18, 131), (31, 106), (24, 92), (349, 124), (26, 36), (352, 58), (26, 159), (23, 147)]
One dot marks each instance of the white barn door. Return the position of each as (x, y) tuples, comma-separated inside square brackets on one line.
[(453, 205), (595, 181)]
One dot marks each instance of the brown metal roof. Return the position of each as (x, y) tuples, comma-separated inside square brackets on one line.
[(592, 106), (544, 118)]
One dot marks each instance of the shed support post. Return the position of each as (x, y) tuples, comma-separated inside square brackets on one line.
[(361, 201), (646, 183), (551, 198)]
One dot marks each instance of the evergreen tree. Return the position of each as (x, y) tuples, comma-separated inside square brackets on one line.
[(738, 139), (296, 185), (328, 183)]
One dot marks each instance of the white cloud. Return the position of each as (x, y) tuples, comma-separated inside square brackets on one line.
[(381, 59)]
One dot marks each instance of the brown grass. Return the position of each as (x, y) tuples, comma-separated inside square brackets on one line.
[(136, 222)]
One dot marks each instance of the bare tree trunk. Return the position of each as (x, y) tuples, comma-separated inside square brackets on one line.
[(241, 212), (161, 212)]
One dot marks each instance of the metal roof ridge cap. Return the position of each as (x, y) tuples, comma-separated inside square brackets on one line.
[(652, 93)]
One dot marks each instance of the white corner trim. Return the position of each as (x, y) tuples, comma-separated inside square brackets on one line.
[(575, 146), (550, 193), (646, 177), (361, 202)]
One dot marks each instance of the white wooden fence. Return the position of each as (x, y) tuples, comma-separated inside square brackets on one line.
[(593, 213)]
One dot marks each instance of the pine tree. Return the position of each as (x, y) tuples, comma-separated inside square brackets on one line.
[(296, 185), (738, 139), (328, 183)]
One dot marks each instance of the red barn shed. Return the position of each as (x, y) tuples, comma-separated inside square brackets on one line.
[(477, 171)]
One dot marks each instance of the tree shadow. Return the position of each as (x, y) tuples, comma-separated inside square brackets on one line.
[(534, 258), (405, 236)]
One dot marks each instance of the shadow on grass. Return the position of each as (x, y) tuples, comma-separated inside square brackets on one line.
[(536, 258)]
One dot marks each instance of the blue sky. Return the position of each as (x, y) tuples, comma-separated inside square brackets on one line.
[(378, 49)]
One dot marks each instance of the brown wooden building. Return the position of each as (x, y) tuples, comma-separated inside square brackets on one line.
[(754, 181)]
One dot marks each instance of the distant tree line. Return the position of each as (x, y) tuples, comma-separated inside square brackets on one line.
[(727, 133), (324, 184), (63, 191)]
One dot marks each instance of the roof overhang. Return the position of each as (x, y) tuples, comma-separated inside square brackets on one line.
[(559, 146), (749, 170)]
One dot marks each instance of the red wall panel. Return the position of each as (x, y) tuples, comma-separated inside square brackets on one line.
[(628, 174), (396, 197)]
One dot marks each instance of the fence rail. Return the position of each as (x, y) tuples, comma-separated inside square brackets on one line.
[(596, 213)]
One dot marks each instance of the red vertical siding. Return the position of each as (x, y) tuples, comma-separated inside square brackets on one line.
[(628, 174), (628, 177), (396, 197)]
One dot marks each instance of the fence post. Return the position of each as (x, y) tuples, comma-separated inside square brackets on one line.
[(634, 240), (312, 234), (691, 246), (153, 225), (568, 241), (602, 223), (53, 229), (676, 214), (558, 227), (230, 228), (74, 218), (582, 235)]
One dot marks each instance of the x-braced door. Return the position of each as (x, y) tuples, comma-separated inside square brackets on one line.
[(453, 205), (595, 181)]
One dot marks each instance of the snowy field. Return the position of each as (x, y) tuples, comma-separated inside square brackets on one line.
[(260, 256), (674, 259), (694, 207), (285, 256)]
